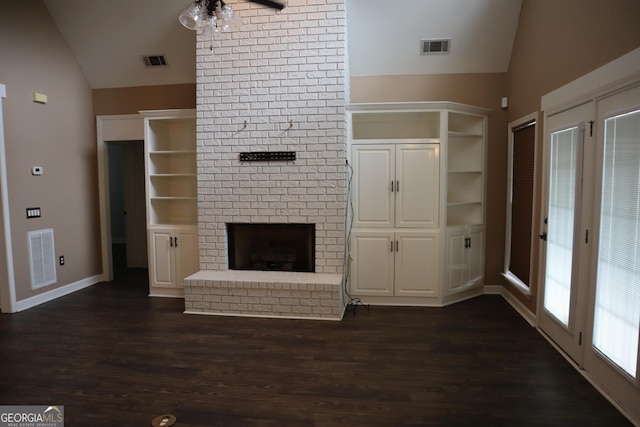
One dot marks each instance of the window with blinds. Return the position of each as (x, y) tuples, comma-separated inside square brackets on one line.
[(617, 311), (520, 203)]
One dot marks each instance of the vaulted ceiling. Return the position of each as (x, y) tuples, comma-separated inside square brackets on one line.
[(109, 38)]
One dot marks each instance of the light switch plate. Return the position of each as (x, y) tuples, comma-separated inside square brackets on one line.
[(33, 212)]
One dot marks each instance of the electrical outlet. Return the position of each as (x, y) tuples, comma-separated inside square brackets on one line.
[(61, 259)]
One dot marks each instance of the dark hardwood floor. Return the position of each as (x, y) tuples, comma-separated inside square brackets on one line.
[(115, 357)]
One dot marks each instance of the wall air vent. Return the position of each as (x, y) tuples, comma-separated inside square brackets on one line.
[(154, 61), (429, 47), (42, 258)]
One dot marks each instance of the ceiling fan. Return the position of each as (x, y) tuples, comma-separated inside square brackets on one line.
[(269, 3), (216, 15)]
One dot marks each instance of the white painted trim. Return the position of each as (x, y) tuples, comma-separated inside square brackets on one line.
[(508, 275), (517, 284), (103, 188), (603, 391), (492, 290), (56, 293), (8, 293), (618, 72), (519, 307)]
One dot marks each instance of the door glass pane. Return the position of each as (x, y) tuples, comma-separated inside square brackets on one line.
[(617, 310), (562, 197)]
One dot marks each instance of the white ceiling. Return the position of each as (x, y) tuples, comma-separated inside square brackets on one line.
[(109, 38)]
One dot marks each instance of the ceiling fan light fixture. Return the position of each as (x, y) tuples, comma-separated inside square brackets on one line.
[(190, 17), (214, 15)]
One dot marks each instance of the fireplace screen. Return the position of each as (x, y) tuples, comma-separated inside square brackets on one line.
[(274, 247)]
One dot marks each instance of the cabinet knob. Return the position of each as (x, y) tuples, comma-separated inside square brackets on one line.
[(176, 241), (392, 186), (171, 241)]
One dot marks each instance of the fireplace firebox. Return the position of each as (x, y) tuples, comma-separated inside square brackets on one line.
[(271, 247)]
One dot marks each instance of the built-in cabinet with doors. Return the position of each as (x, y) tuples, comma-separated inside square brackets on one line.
[(417, 197), (171, 181)]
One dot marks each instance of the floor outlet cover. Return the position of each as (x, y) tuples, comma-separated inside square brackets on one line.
[(165, 420)]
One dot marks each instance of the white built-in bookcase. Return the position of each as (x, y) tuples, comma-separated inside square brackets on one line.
[(454, 242)]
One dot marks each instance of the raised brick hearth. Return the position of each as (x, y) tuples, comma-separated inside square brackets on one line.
[(268, 294)]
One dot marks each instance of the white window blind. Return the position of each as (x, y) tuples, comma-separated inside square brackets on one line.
[(561, 215), (617, 310), (519, 222)]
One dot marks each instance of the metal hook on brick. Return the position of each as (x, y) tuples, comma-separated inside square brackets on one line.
[(244, 126)]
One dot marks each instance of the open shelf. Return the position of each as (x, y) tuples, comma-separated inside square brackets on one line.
[(396, 125), (171, 168), (465, 153), (466, 124), (173, 210), (172, 134), (464, 187), (467, 214), (465, 169)]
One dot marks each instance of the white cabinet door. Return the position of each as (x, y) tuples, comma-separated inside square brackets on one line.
[(456, 265), (186, 253), (475, 256), (161, 268), (395, 264), (372, 266), (465, 258), (173, 255), (374, 176), (417, 264), (396, 185), (417, 189)]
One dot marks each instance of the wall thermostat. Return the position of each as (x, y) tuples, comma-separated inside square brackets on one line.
[(36, 170)]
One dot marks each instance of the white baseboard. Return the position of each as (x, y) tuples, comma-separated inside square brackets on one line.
[(587, 376), (519, 307), (56, 293), (513, 301), (493, 289)]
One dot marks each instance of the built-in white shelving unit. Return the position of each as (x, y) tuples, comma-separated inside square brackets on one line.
[(171, 187), (418, 218)]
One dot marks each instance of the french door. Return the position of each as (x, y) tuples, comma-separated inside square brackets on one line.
[(566, 220), (590, 270), (614, 302)]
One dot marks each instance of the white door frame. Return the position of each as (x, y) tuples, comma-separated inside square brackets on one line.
[(124, 127), (8, 292)]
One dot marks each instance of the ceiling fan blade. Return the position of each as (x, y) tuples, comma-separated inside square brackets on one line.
[(269, 3)]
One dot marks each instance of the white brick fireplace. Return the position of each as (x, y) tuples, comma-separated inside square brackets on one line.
[(276, 84)]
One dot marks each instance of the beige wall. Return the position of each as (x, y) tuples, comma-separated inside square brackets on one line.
[(557, 42), (59, 136), (482, 90)]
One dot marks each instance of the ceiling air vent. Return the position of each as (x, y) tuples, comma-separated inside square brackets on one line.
[(154, 60), (428, 47)]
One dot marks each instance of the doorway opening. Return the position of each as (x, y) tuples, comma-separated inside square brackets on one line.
[(127, 205)]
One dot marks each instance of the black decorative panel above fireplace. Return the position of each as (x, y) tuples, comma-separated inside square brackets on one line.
[(271, 247)]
